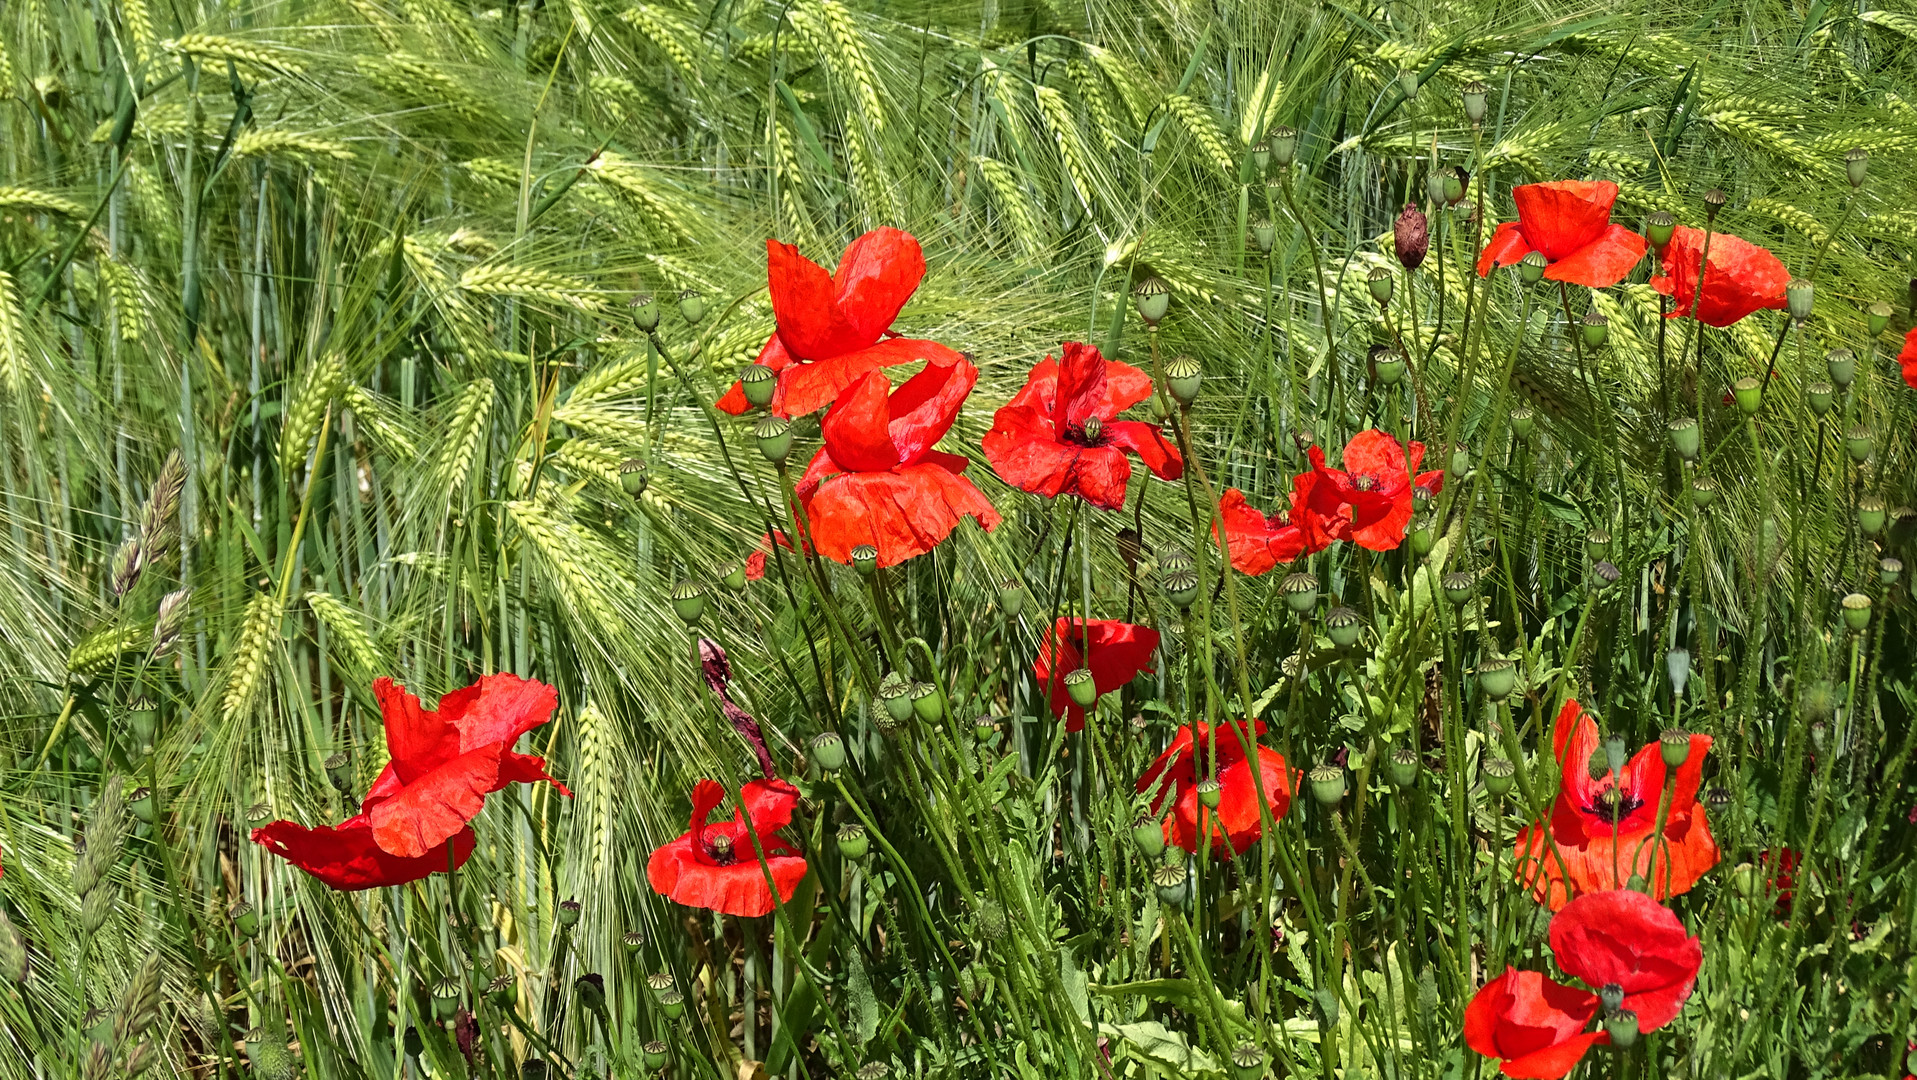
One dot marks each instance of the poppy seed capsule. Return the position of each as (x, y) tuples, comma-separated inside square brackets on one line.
[(1659, 227), (246, 919), (688, 601), (632, 477), (258, 813), (339, 772), (1181, 588), (1327, 784), (1877, 317), (500, 992), (1859, 444), (140, 801), (1389, 365), (1889, 569), (1344, 626), (828, 751), (984, 728), (1597, 543), (1497, 677), (1842, 365), (1247, 1061), (1434, 184), (873, 1070), (1264, 234), (1871, 513), (759, 384), (1011, 597), (1403, 767), (1820, 396), (1182, 376), (1149, 835), (1454, 181), (1460, 463), (654, 1054), (1606, 573), (1080, 685), (1300, 591), (590, 988), (1499, 776), (1424, 536), (144, 717), (633, 940), (1703, 492), (1686, 439), (445, 999), (1379, 282), (1411, 237), (1153, 298), (853, 841), (865, 559), (1523, 423), (895, 696), (1714, 200), (673, 1004), (1531, 267), (1210, 792), (774, 436), (732, 575), (927, 703), (1856, 165), (1261, 155), (692, 306), (645, 312), (1171, 881), (1749, 394), (1674, 746), (1797, 299), (1621, 1026), (1475, 96), (1284, 146), (568, 914), (1857, 612), (1457, 586), (1596, 328), (659, 982)]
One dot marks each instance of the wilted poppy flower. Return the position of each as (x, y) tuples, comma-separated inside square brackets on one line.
[(1235, 825), (713, 865), (1060, 434), (1569, 223), (445, 763), (346, 857), (877, 479), (1907, 359), (1534, 1024), (1410, 237), (1743, 277), (1369, 501), (832, 327), (1624, 939), (1602, 831), (1258, 543), (1116, 652)]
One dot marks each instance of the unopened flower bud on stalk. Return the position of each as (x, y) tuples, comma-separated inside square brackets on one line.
[(1327, 784), (774, 436), (1153, 298), (759, 383), (1149, 834), (1410, 237), (1797, 299), (1686, 439), (692, 306), (1424, 535), (1182, 377), (1408, 83), (1460, 463)]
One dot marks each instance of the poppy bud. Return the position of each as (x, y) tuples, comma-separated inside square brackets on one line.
[(1597, 543), (828, 751), (1210, 792), (1457, 586), (692, 306), (144, 717), (1011, 597), (852, 841), (1402, 769), (246, 920), (1616, 753), (1597, 330), (1153, 298), (591, 991), (927, 703), (445, 999), (1079, 684), (1856, 164), (873, 1070), (1871, 513), (1424, 536), (1499, 775), (1497, 677), (759, 383), (1344, 626), (775, 438), (1149, 835), (1659, 227), (1797, 299), (1859, 444), (1171, 881), (1842, 365), (1389, 364), (865, 559), (1475, 95), (653, 1054), (689, 601), (1261, 155), (645, 312), (1622, 1027), (632, 477), (1818, 700), (673, 1004), (1379, 282), (1411, 236), (1877, 317), (1247, 1061), (1606, 573), (1749, 393), (1284, 146), (140, 802), (1460, 462), (1327, 784), (1300, 591), (633, 940), (1685, 437), (1523, 422), (1182, 376), (1531, 267), (1857, 612), (1434, 184), (1264, 234), (1820, 396), (1714, 200), (1889, 569), (1408, 84), (568, 914), (1181, 587), (1703, 492)]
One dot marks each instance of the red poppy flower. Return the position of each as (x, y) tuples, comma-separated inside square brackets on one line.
[(1907, 359), (1116, 652), (832, 327), (1603, 831), (712, 865), (1624, 939), (1258, 543), (1061, 435), (346, 857), (1743, 277), (445, 763), (755, 562), (1569, 222), (1534, 1024), (1369, 501), (877, 479), (1235, 825)]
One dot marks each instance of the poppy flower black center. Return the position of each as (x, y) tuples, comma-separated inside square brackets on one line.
[(719, 849), (1365, 482), (1090, 433), (1613, 805)]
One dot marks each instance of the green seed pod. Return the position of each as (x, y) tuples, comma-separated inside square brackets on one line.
[(1859, 444), (692, 306), (895, 695), (1389, 364), (590, 989), (633, 940), (1597, 330), (1499, 776), (1434, 184), (653, 1054), (1408, 84), (339, 772), (1523, 423), (1749, 394), (673, 1004), (1476, 97), (1460, 464), (1714, 200), (632, 477), (1531, 267), (1877, 317), (1597, 543), (1284, 146), (1797, 299), (659, 982), (1012, 597), (1181, 587), (13, 952), (1424, 535), (1327, 999), (1261, 155), (1172, 882), (1149, 835), (1264, 234), (259, 813), (1820, 396), (1605, 573), (1497, 677), (140, 801), (865, 559), (1403, 768), (1327, 784), (1622, 1027), (1686, 438), (984, 729), (1457, 586), (1454, 186), (873, 1070), (1842, 365), (774, 436), (246, 920), (1856, 165), (828, 751), (1675, 746), (1703, 491), (760, 383), (732, 575), (1379, 281), (1153, 298), (1080, 685), (927, 704), (1857, 612), (1300, 591), (1247, 1061), (689, 601), (1889, 569), (1659, 227), (1210, 792), (645, 312), (445, 999), (1182, 378), (501, 992), (1344, 626), (144, 718), (1871, 514)]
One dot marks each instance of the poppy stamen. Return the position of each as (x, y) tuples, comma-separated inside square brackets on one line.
[(1613, 805), (719, 849)]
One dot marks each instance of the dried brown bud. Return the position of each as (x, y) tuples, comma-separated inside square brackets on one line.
[(1411, 237)]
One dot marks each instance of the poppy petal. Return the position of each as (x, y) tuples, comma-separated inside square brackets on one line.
[(1562, 216), (1115, 651), (1907, 358), (1622, 937), (347, 858), (924, 408), (435, 805), (499, 708), (806, 388), (878, 273), (857, 429), (1603, 262), (1081, 385), (1148, 442), (903, 513), (1024, 453), (1506, 248), (1534, 1024)]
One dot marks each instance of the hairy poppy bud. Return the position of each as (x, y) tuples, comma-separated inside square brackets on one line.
[(1210, 792), (1424, 535), (1153, 298), (1403, 768), (1300, 591), (1012, 597), (1749, 394), (645, 312), (1714, 200), (774, 436), (1842, 365), (1859, 444), (1379, 282), (1264, 234), (927, 703), (1523, 422), (1531, 267), (689, 601), (1284, 146), (1247, 1061), (1685, 437), (632, 477), (1475, 97), (1596, 328), (1677, 665), (1149, 834), (1889, 569), (1797, 299), (1344, 626), (865, 559), (692, 306), (1181, 587), (1411, 237), (1820, 396), (759, 383), (828, 751), (1434, 184), (1327, 784), (1182, 376), (1497, 677), (1703, 491), (1171, 881), (1877, 317), (246, 920), (1261, 155), (1856, 165), (1408, 84), (1499, 775), (653, 1054), (1659, 227), (1871, 513), (1457, 586), (1081, 687), (1857, 612), (853, 841)]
